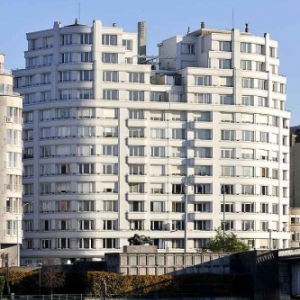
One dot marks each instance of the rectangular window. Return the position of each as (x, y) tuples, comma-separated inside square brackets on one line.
[(136, 150), (86, 38), (225, 46), (188, 48), (248, 100), (248, 171), (248, 189), (111, 58), (203, 171), (110, 95), (86, 243), (248, 83), (158, 151), (110, 150), (264, 137), (110, 39), (248, 135), (203, 152), (110, 243), (228, 189), (136, 77), (136, 96), (110, 224), (226, 81), (245, 47), (203, 207), (228, 153), (246, 65), (228, 171), (128, 44), (203, 188), (202, 80), (110, 205), (111, 76), (228, 135), (157, 206), (202, 98), (226, 99), (203, 134), (225, 64)]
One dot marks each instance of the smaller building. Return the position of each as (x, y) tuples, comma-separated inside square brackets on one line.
[(295, 226)]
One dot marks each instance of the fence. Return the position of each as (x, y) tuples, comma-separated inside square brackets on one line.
[(116, 297)]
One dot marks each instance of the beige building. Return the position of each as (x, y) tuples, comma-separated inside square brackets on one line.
[(10, 165)]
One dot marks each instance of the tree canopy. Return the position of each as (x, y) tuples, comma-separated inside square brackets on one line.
[(230, 243)]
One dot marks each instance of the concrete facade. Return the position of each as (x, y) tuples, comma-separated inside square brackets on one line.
[(113, 147), (10, 163)]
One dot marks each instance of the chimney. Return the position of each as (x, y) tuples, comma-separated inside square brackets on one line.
[(188, 31), (247, 27), (202, 25), (114, 24), (142, 40)]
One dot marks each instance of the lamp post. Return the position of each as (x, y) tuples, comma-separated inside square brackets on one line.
[(223, 190), (18, 244)]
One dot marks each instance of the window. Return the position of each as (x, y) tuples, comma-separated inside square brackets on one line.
[(110, 39), (248, 171), (136, 132), (157, 206), (86, 75), (136, 170), (86, 243), (202, 80), (260, 67), (110, 205), (203, 134), (86, 38), (228, 171), (111, 58), (203, 116), (228, 153), (86, 57), (264, 137), (137, 188), (136, 77), (86, 187), (86, 150), (261, 84), (46, 243), (85, 94), (226, 81), (264, 190), (136, 114), (86, 224), (247, 153), (203, 170), (225, 46), (156, 225), (178, 189), (136, 150), (264, 208), (110, 243), (203, 152), (178, 134), (111, 76), (63, 243), (203, 188), (110, 224), (158, 151), (259, 49), (248, 83), (245, 47), (158, 96), (136, 96), (86, 168), (177, 243), (246, 65), (262, 101), (228, 135), (110, 95), (110, 169), (247, 118), (225, 64), (178, 207), (128, 44), (247, 225), (228, 207), (248, 189), (177, 225), (188, 48), (228, 189), (226, 99), (202, 225), (248, 100), (136, 224), (203, 207), (248, 135), (157, 133), (86, 205), (202, 98), (272, 51)]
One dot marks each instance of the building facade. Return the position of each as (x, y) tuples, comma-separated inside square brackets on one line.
[(113, 147), (11, 168)]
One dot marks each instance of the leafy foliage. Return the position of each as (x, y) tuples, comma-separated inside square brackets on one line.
[(228, 243), (2, 282), (53, 277)]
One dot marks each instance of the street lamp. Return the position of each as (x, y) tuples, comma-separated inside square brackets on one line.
[(18, 244)]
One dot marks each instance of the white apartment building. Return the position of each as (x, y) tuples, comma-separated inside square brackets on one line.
[(113, 147), (11, 168)]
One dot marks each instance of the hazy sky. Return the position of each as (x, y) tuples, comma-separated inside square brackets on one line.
[(164, 18)]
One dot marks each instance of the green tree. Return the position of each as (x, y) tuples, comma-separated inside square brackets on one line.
[(228, 243)]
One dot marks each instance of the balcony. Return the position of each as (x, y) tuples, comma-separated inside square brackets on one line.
[(137, 123), (136, 178), (137, 141), (197, 216), (200, 179), (142, 160), (136, 215), (201, 124), (199, 143), (195, 161), (136, 197)]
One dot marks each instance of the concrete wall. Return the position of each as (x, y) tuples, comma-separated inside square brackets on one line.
[(166, 263), (8, 255)]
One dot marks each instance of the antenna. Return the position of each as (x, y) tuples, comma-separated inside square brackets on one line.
[(232, 16), (79, 11)]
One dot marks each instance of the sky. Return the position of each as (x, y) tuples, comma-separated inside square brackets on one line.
[(165, 18)]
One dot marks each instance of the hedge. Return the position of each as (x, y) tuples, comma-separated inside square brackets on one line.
[(2, 282)]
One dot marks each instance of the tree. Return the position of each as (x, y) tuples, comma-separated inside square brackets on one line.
[(52, 276), (228, 243), (2, 282)]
